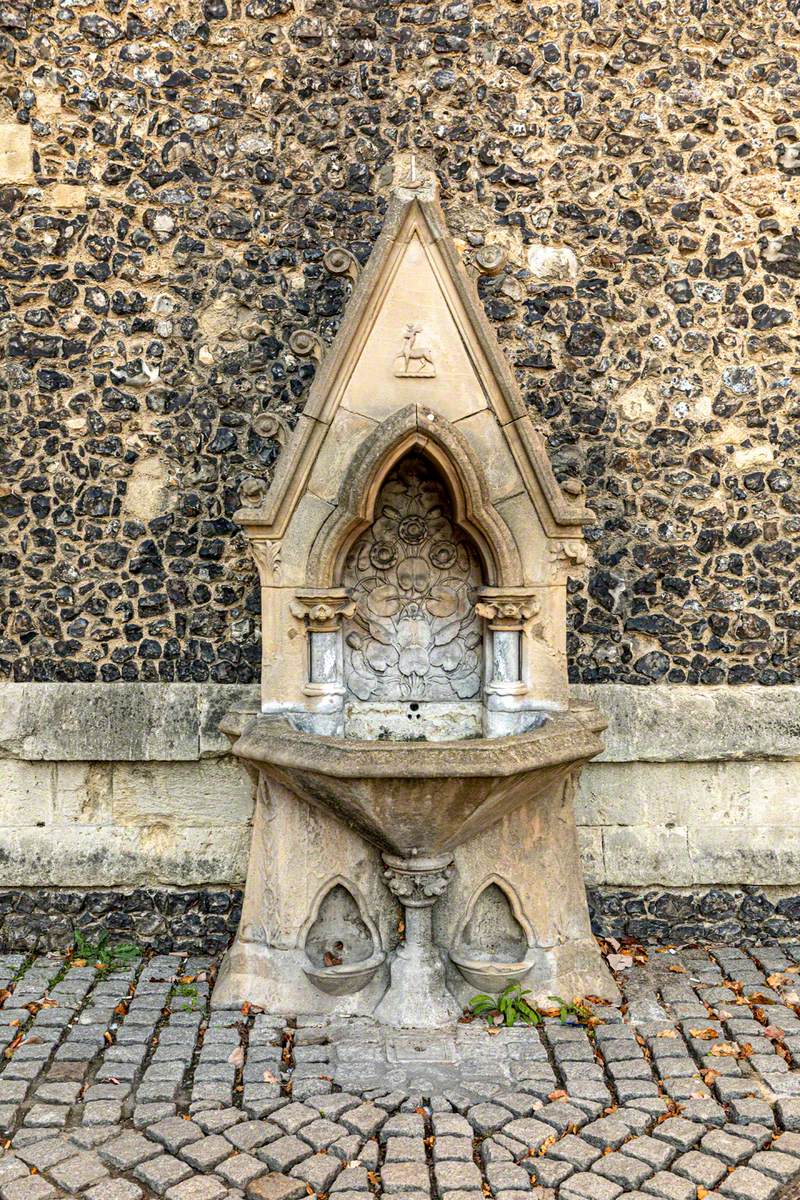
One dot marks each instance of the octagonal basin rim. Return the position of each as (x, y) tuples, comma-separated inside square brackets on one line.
[(569, 736)]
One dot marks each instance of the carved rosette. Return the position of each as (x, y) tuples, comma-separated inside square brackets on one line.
[(417, 882), (507, 611), (321, 609)]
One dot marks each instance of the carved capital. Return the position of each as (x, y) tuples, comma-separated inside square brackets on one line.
[(321, 609), (417, 883), (508, 610)]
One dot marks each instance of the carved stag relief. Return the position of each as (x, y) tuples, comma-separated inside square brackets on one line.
[(414, 576), (415, 360)]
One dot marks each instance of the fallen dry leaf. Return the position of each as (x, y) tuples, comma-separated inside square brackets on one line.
[(724, 1050), (236, 1057), (620, 962)]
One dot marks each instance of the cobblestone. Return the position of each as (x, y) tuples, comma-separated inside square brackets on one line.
[(563, 1138)]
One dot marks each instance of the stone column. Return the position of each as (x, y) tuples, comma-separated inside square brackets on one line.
[(418, 997), (506, 614), (321, 611)]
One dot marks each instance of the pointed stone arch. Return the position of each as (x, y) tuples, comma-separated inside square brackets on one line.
[(417, 428)]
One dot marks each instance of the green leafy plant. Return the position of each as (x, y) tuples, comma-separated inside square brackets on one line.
[(574, 1008), (189, 993), (507, 1008), (104, 954)]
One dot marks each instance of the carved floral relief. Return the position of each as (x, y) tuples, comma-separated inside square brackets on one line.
[(413, 576)]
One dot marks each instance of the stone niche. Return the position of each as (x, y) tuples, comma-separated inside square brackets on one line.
[(415, 740)]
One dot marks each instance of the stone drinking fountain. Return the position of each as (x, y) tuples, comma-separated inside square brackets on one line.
[(416, 748)]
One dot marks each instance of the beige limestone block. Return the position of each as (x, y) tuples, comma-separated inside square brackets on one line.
[(284, 650), (26, 793), (637, 855), (16, 153), (304, 525), (745, 458), (663, 793), (345, 434), (775, 794), (207, 794), (590, 843), (145, 491), (417, 294), (124, 857), (741, 854), (83, 793), (544, 659), (65, 195), (677, 723), (522, 520), (484, 434), (101, 722)]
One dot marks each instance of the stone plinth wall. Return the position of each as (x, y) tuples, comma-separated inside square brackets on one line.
[(121, 808)]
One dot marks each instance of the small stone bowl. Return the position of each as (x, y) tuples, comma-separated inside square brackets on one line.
[(345, 978), (488, 976)]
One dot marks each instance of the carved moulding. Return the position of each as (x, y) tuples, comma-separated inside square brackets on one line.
[(415, 427), (570, 553)]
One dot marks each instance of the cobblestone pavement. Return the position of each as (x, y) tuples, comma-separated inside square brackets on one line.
[(120, 1085)]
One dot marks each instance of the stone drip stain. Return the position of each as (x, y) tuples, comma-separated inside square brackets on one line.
[(626, 176), (122, 1085)]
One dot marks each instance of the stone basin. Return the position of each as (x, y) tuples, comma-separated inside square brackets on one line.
[(418, 798)]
